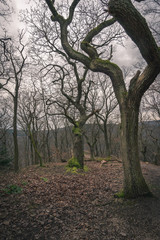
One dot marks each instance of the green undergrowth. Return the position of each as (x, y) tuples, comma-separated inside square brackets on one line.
[(120, 194), (44, 179), (13, 189), (24, 183)]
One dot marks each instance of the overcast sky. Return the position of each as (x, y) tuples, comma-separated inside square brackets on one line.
[(123, 56)]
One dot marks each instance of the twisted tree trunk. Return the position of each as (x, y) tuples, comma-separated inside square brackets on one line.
[(129, 100)]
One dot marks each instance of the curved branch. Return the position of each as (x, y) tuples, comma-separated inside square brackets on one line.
[(136, 28), (98, 29), (51, 7), (71, 11)]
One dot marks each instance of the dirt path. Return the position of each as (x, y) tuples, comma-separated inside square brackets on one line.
[(62, 206)]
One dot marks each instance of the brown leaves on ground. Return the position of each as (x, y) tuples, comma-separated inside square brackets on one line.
[(60, 206)]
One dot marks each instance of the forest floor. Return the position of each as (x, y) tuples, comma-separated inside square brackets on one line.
[(64, 206)]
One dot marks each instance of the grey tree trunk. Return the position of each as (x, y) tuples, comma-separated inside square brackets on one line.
[(134, 183), (107, 145), (37, 154), (78, 149), (15, 134), (92, 152)]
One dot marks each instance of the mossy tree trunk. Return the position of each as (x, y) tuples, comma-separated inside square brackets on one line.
[(78, 149), (137, 29), (78, 143)]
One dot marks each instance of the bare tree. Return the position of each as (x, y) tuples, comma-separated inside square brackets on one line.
[(137, 29), (47, 128), (150, 124), (152, 11), (151, 100), (71, 102), (14, 74), (109, 104), (31, 118), (5, 13), (5, 125), (5, 8), (91, 135)]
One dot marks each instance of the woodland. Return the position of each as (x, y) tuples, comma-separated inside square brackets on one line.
[(80, 120)]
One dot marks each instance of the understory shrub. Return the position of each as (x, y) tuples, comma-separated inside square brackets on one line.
[(44, 179), (10, 189), (73, 162), (73, 166)]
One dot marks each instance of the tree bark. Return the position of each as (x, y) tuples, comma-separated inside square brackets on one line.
[(107, 144), (136, 28), (134, 183), (78, 149), (15, 134), (92, 152), (37, 154)]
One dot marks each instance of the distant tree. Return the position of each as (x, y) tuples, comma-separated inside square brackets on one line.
[(151, 100), (109, 104), (72, 99), (150, 113), (91, 135), (31, 117), (13, 74), (5, 125), (5, 8), (46, 132), (151, 8), (5, 13)]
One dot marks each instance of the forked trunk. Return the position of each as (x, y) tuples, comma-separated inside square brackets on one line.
[(78, 149), (134, 182)]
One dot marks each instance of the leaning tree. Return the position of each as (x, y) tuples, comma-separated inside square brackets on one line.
[(129, 99)]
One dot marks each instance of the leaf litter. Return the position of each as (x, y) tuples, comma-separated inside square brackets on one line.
[(64, 206)]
